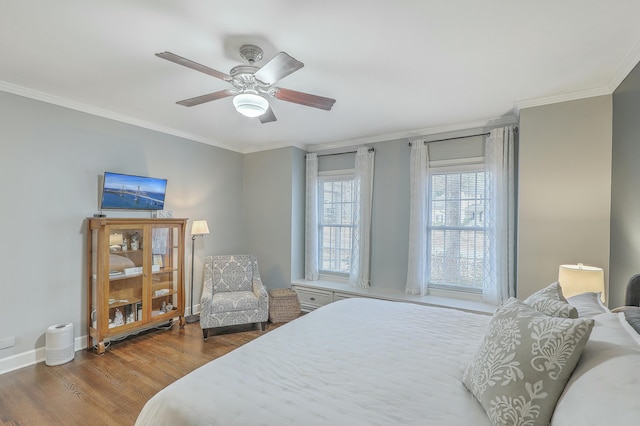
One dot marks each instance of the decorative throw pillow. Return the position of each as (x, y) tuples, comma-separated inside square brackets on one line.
[(552, 291), (523, 363), (550, 301)]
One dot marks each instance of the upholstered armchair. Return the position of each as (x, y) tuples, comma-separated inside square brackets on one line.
[(232, 293)]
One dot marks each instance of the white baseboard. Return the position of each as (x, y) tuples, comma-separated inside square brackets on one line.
[(25, 359), (196, 310)]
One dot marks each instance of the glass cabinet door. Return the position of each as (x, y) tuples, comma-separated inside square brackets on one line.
[(135, 276), (164, 270), (127, 247)]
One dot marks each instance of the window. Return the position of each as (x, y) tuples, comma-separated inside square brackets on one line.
[(456, 230), (336, 221)]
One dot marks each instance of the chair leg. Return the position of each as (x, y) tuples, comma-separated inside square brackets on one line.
[(263, 326), (205, 333)]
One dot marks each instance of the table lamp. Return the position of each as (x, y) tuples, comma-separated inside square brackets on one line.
[(576, 279)]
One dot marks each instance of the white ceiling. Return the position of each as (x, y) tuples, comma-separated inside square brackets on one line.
[(396, 69)]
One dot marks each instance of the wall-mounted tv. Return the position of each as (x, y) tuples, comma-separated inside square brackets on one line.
[(128, 192)]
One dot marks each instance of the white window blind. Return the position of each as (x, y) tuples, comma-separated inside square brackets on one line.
[(456, 230), (336, 222)]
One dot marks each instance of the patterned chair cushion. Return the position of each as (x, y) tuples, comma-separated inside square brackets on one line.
[(232, 273), (233, 301), (524, 362), (221, 307)]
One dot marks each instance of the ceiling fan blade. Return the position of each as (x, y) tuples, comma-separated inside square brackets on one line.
[(205, 98), (268, 116), (278, 68), (301, 98), (193, 65)]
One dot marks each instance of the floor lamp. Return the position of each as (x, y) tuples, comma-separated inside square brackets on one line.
[(199, 227)]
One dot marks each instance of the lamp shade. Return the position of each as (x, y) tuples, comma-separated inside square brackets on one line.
[(250, 105), (576, 279), (199, 227)]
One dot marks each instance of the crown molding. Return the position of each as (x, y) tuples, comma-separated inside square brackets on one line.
[(89, 109), (626, 66), (497, 121), (631, 59), (269, 147), (573, 96)]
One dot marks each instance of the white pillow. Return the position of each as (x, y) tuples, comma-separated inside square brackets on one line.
[(588, 304), (603, 389), (523, 363)]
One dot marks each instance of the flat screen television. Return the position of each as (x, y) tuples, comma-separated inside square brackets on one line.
[(129, 192)]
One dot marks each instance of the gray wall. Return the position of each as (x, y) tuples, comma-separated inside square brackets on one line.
[(50, 162), (564, 189), (52, 157), (390, 211), (564, 178), (298, 192), (272, 213), (390, 215), (625, 184)]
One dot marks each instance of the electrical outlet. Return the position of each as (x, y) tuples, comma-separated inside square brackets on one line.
[(7, 342)]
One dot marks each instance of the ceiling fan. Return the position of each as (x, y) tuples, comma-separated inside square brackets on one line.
[(251, 83)]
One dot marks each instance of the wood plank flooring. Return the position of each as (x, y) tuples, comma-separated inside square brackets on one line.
[(110, 389)]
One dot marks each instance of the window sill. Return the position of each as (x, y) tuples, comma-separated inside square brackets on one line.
[(398, 295)]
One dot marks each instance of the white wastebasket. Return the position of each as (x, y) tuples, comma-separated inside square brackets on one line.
[(59, 344)]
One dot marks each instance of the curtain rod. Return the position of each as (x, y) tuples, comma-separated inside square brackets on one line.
[(457, 137), (515, 130), (348, 152)]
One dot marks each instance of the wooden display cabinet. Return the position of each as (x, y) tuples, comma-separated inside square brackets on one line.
[(135, 276)]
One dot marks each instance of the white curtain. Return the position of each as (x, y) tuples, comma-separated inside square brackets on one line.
[(417, 272), (361, 242), (311, 220), (499, 279)]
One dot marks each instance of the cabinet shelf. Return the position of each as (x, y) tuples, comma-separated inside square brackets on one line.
[(123, 276), (164, 271), (124, 251), (121, 302), (158, 296), (121, 284)]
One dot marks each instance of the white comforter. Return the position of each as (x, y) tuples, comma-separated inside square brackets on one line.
[(353, 362)]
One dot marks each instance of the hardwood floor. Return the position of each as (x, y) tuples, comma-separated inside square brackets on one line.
[(110, 389)]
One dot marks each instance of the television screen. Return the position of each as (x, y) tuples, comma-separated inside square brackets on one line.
[(130, 192)]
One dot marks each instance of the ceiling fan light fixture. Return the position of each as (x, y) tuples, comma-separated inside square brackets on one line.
[(250, 105)]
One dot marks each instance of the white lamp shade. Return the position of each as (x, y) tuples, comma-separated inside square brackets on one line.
[(576, 279), (250, 105), (199, 227)]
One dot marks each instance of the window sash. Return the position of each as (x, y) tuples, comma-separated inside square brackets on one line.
[(456, 234), (336, 224)]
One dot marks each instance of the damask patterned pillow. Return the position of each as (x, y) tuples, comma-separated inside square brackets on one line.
[(550, 301), (553, 291), (523, 363)]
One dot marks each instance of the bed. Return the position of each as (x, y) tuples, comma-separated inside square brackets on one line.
[(372, 362)]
